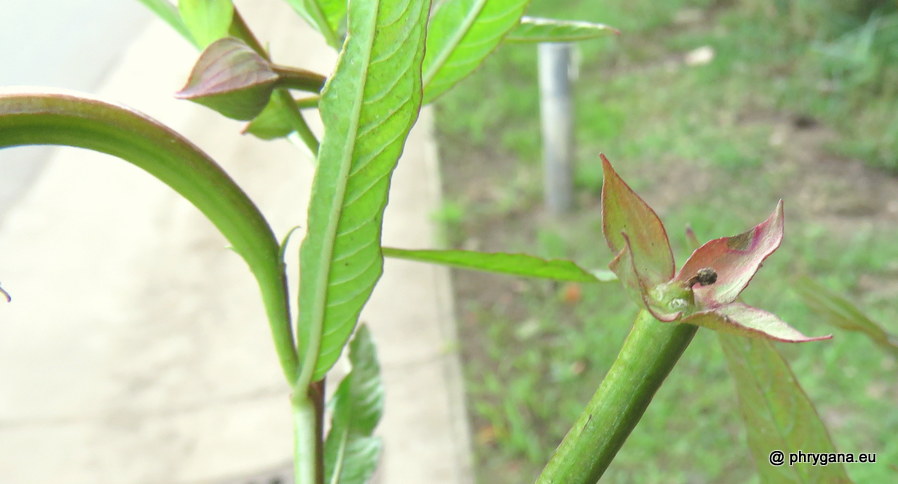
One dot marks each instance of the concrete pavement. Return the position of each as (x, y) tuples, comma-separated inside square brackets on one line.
[(135, 349)]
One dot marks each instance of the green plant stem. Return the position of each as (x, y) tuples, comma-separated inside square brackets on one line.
[(283, 97), (306, 442), (308, 102), (316, 391), (298, 78), (649, 353)]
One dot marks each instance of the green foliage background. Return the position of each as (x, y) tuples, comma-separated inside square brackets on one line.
[(696, 142)]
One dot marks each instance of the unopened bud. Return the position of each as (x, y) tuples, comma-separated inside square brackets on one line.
[(232, 79)]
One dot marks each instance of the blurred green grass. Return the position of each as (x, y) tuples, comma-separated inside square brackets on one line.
[(696, 142)]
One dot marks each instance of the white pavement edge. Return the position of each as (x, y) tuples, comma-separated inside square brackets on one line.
[(135, 350)]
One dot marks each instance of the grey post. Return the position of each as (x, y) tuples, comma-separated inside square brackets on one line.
[(556, 113)]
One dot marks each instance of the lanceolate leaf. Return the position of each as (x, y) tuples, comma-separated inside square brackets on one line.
[(778, 414), (368, 107), (169, 13), (351, 450), (515, 264), (323, 15), (535, 29), (461, 34), (739, 318), (840, 312), (207, 20), (335, 13), (624, 212), (66, 119)]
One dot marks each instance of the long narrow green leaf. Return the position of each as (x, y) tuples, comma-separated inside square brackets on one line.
[(169, 13), (67, 119), (778, 414), (319, 14), (368, 107), (351, 449), (335, 14), (840, 312), (535, 29), (461, 34), (206, 20), (515, 264)]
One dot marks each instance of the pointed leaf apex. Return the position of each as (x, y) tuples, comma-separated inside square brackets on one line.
[(624, 212), (746, 320), (735, 259)]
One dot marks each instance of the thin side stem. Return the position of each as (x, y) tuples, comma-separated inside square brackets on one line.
[(316, 392), (308, 102), (649, 353), (298, 78), (299, 123)]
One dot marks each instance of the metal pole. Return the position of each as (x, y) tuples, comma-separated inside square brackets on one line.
[(557, 119)]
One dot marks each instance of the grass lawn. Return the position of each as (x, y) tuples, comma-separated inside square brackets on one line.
[(797, 103)]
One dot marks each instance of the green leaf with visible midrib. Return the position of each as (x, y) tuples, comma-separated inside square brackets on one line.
[(207, 20), (351, 450), (534, 29), (505, 263), (778, 414), (368, 107), (840, 312), (461, 34), (66, 119)]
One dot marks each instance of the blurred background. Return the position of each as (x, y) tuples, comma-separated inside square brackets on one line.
[(46, 44), (712, 111)]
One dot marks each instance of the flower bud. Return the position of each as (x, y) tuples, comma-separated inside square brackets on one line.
[(232, 79)]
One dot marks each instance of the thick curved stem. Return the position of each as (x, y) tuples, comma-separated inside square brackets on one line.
[(649, 353)]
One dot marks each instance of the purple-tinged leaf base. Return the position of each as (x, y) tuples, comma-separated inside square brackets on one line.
[(739, 318)]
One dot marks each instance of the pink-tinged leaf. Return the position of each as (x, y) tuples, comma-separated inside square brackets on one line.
[(778, 414), (735, 260), (662, 308), (622, 266), (231, 78), (624, 212), (739, 318)]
